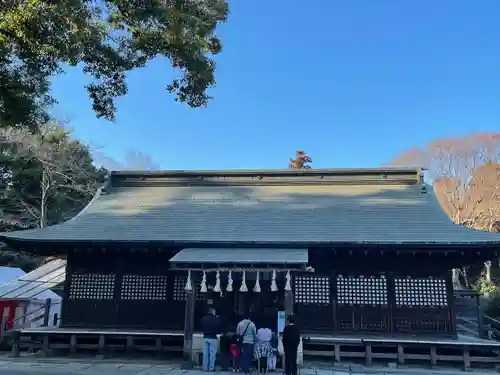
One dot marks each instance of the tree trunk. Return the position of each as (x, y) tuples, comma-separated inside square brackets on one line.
[(466, 277), (43, 201), (487, 271), (456, 278)]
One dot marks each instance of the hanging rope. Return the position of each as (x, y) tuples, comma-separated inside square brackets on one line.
[(217, 288), (243, 287), (203, 288), (188, 286), (229, 287), (288, 285), (274, 287), (256, 287)]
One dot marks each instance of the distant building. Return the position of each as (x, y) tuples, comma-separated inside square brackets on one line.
[(24, 296)]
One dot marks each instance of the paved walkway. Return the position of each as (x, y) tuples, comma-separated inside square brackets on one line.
[(32, 366)]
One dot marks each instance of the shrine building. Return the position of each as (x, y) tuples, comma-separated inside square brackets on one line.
[(346, 251)]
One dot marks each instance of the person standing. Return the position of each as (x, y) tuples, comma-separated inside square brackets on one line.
[(210, 326), (225, 351), (235, 353), (246, 332), (263, 349), (291, 341), (271, 361)]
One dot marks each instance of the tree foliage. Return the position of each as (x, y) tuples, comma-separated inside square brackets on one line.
[(46, 177), (108, 38), (301, 161)]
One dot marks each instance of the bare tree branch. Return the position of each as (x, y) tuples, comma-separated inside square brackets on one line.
[(465, 173)]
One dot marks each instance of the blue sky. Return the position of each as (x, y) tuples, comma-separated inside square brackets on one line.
[(352, 82)]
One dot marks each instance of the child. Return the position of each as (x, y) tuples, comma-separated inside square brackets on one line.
[(234, 350), (271, 361), (225, 353)]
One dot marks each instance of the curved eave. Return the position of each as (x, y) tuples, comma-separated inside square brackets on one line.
[(19, 236), (158, 244)]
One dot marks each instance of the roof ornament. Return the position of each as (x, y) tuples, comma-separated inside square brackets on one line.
[(217, 288), (229, 287), (274, 287), (256, 288), (243, 287), (188, 287), (423, 186), (203, 288), (106, 185), (288, 285)]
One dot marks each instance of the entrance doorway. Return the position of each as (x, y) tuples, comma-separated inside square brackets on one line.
[(263, 306)]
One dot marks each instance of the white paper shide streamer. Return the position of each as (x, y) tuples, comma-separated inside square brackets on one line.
[(203, 288), (243, 287), (288, 285), (256, 287), (274, 287), (229, 287), (217, 288), (188, 286)]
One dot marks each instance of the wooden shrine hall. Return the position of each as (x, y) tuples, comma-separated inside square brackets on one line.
[(354, 251)]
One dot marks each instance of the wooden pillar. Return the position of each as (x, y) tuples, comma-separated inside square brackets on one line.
[(46, 312), (368, 355), (45, 345), (289, 299), (3, 328), (16, 343), (480, 317), (466, 359), (288, 303), (72, 345), (189, 326), (401, 355)]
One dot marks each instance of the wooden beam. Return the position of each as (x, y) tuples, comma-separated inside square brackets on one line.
[(264, 269), (288, 303), (189, 326)]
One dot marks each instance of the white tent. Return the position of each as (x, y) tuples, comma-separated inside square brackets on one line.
[(33, 291)]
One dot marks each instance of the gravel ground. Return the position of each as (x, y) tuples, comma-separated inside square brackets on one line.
[(65, 366)]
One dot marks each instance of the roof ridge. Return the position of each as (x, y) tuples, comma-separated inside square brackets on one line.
[(267, 177), (282, 171)]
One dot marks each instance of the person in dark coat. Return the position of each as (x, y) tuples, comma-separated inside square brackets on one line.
[(291, 341), (225, 349), (210, 326)]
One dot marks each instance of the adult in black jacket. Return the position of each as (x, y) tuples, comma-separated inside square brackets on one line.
[(291, 340), (210, 326)]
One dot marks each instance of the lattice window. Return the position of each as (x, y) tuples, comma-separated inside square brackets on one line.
[(312, 290), (428, 292), (99, 286), (138, 287), (179, 294), (362, 290)]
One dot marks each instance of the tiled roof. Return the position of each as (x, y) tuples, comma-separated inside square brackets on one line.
[(37, 283), (263, 207)]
